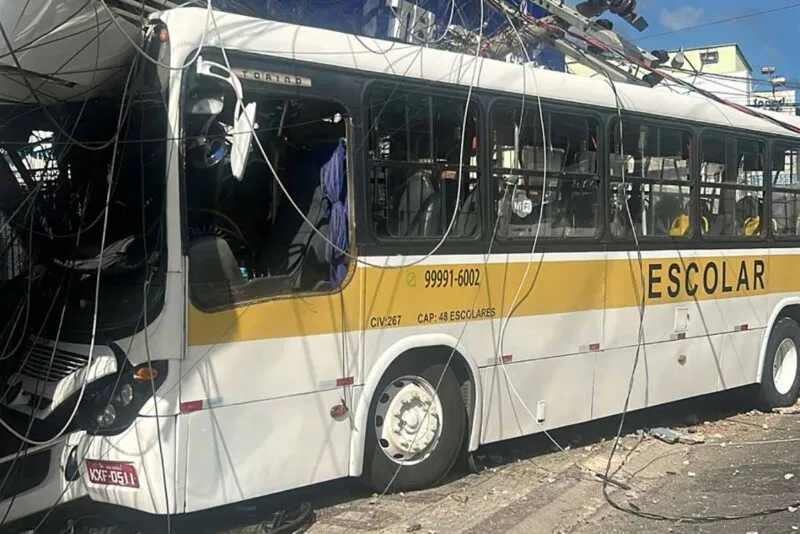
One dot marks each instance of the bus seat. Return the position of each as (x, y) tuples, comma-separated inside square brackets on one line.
[(418, 208), (469, 217), (668, 210), (585, 163), (680, 226), (533, 158), (306, 239), (785, 212), (213, 270), (752, 226)]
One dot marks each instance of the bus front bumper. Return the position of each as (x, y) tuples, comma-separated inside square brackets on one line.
[(35, 481)]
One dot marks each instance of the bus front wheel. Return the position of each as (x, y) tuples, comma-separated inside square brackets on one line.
[(780, 380), (415, 429)]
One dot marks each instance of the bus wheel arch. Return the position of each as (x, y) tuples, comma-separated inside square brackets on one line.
[(428, 348), (783, 329)]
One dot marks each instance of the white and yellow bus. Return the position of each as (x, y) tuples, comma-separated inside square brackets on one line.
[(273, 355)]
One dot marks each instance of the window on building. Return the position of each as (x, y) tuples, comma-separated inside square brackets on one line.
[(564, 153), (785, 190), (731, 186), (649, 180), (419, 155), (708, 58)]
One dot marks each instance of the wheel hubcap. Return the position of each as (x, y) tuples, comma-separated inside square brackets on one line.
[(784, 366), (408, 420)]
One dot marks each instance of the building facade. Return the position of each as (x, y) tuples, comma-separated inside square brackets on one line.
[(784, 101), (722, 70)]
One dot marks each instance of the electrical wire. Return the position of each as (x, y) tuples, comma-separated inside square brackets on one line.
[(114, 388), (475, 70), (504, 324), (426, 42), (606, 479), (722, 21), (663, 75), (145, 291), (452, 221), (325, 238), (106, 210), (146, 56), (23, 444), (642, 306), (5, 354), (43, 107)]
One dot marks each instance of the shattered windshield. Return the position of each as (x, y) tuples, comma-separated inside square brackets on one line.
[(59, 169)]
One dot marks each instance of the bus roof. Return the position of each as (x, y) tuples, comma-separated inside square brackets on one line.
[(331, 48)]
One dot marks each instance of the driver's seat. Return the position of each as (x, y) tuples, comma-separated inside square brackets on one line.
[(214, 272)]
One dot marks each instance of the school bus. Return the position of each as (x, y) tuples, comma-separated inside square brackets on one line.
[(335, 256)]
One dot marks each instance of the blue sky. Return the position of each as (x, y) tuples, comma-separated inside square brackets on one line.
[(766, 39)]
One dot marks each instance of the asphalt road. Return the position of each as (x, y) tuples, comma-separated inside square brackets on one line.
[(748, 465)]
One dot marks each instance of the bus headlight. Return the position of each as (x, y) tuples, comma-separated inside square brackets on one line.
[(125, 394), (115, 402), (107, 417)]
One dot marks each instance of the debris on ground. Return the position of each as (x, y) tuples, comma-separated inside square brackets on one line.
[(670, 436), (788, 476), (413, 527), (667, 435), (791, 410), (460, 497)]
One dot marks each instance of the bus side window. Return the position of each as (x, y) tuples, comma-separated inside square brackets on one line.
[(566, 156), (649, 170), (417, 159), (732, 186), (248, 238), (785, 219)]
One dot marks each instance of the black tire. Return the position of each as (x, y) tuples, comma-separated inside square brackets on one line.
[(769, 394), (379, 469)]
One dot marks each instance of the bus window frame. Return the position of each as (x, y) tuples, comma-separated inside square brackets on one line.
[(262, 62), (693, 181), (532, 105), (780, 240), (403, 245), (728, 135)]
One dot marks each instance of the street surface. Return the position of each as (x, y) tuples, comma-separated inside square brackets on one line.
[(749, 462), (748, 465)]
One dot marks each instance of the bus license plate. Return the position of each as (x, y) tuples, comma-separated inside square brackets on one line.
[(112, 473)]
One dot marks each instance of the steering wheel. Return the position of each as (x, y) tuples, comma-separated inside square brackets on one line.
[(228, 229)]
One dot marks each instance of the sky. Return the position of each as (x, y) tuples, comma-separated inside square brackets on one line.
[(765, 38)]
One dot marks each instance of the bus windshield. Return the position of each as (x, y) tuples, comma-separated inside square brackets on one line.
[(58, 167)]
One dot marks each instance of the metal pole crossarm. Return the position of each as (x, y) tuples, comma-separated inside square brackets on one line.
[(530, 33), (592, 30)]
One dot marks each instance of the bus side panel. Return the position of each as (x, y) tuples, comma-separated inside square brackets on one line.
[(740, 358), (665, 372), (563, 384), (688, 294), (247, 451)]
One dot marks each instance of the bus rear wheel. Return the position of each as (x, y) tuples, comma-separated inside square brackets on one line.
[(780, 380), (415, 430)]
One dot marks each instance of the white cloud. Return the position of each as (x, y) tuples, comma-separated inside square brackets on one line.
[(680, 18)]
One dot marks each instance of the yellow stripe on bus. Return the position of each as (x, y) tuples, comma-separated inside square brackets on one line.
[(435, 294)]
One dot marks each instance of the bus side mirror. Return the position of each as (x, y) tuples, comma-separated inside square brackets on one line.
[(240, 135), (243, 128)]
